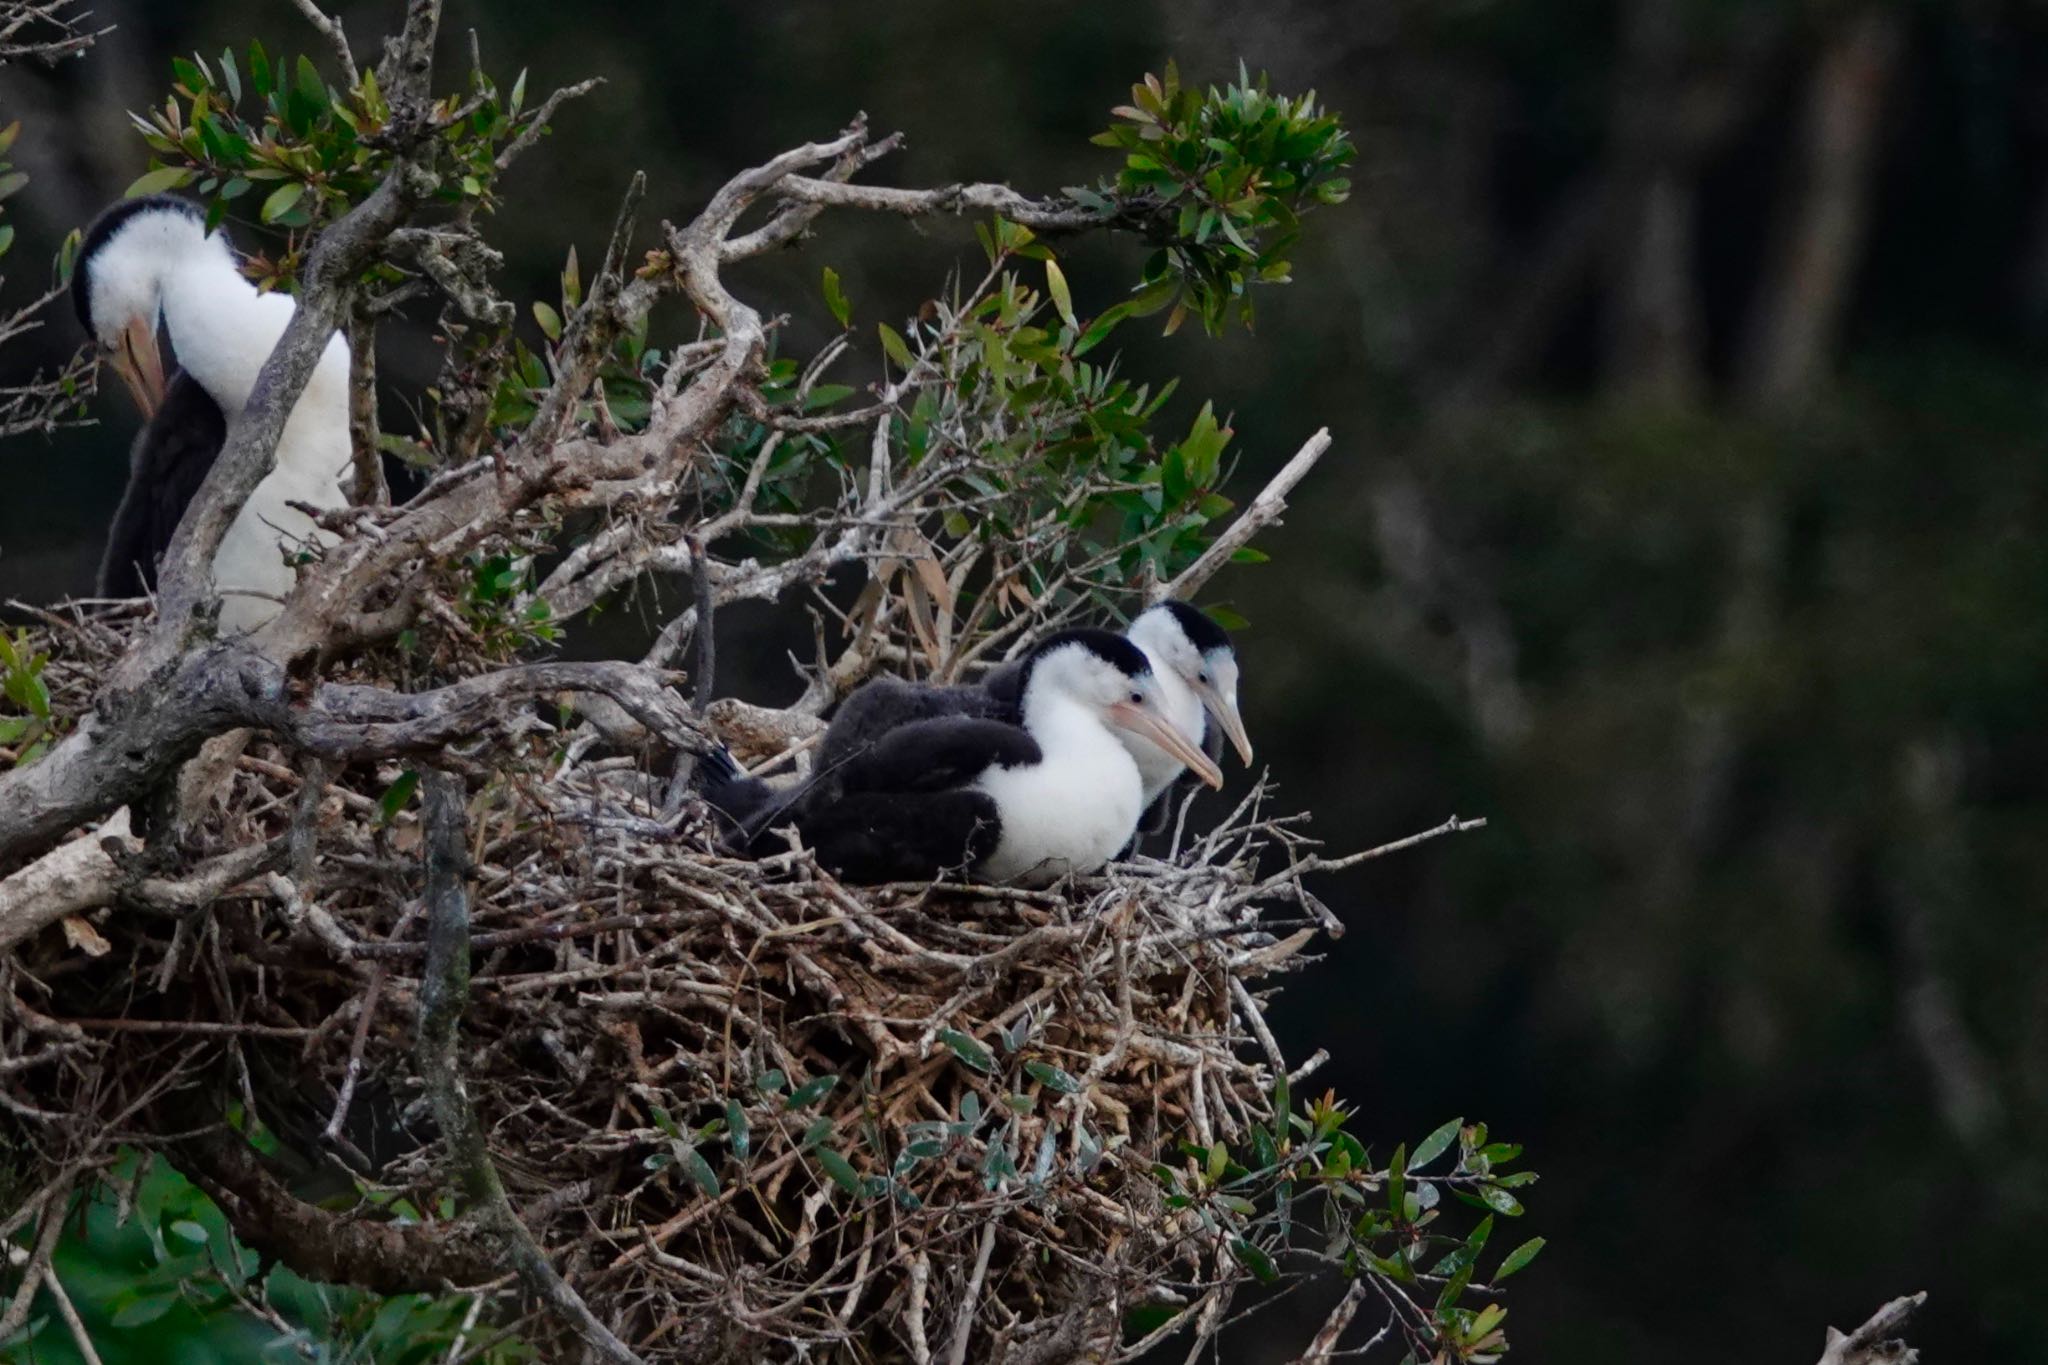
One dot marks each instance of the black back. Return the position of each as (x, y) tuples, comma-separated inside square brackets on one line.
[(882, 704), (166, 466)]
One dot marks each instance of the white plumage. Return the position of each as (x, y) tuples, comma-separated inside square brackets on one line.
[(159, 263), (1072, 810)]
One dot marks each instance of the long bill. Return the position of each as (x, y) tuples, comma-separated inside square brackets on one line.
[(141, 365), (1155, 728), (1224, 709)]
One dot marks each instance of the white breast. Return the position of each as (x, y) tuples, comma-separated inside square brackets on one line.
[(1069, 813)]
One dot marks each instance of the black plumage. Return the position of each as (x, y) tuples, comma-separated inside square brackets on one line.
[(891, 797), (166, 466)]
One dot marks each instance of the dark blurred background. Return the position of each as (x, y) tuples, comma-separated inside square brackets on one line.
[(1685, 519)]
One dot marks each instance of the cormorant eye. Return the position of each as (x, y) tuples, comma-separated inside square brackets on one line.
[(1137, 698), (1203, 677)]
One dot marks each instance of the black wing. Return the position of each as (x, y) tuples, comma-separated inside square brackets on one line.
[(741, 798), (884, 704), (168, 463), (937, 755), (871, 837), (1005, 684)]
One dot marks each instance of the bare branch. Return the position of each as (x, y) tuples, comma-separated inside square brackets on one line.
[(1265, 510), (538, 123), (330, 29), (1872, 1343)]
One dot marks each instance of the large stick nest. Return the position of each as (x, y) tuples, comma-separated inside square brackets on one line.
[(749, 1112)]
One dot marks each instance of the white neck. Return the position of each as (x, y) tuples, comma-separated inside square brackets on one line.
[(222, 330), (1183, 708)]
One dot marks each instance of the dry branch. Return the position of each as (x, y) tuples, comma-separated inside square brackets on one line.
[(1873, 1342)]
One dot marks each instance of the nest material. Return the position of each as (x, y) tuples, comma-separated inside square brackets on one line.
[(749, 1112)]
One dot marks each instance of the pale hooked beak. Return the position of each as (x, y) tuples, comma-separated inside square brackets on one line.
[(140, 365), (1224, 709), (1139, 721)]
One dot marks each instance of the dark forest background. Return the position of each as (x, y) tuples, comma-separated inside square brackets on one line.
[(1686, 519)]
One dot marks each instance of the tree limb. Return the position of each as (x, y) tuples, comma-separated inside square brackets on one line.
[(444, 995), (1870, 1344)]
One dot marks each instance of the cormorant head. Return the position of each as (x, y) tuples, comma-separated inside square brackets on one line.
[(1110, 676), (1201, 655), (117, 283)]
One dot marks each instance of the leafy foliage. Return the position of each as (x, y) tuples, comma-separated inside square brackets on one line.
[(1238, 168), (26, 733), (308, 151), (157, 1262)]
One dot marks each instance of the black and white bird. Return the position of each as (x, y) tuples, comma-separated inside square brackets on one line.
[(1193, 662), (151, 261), (1053, 794)]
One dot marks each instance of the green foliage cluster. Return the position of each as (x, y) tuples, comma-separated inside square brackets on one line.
[(26, 723), (1236, 169), (11, 180), (311, 151), (159, 1275), (1306, 1184)]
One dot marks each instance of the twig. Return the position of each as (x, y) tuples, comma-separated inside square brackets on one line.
[(79, 1336), (1451, 826), (1265, 510), (56, 1209), (963, 1325), (330, 29)]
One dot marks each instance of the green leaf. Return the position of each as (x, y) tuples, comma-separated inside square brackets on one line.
[(1435, 1145), (1518, 1259), (841, 1170), (1500, 1201), (6, 237), (1052, 1077), (772, 1082), (14, 727), (144, 1310), (700, 1172), (281, 201), (1255, 1260), (1101, 328), (397, 794), (811, 1091), (550, 321), (968, 1050), (825, 395), (1397, 1183), (1062, 298), (310, 84), (835, 299), (189, 1230), (736, 1126), (892, 343), (157, 181)]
